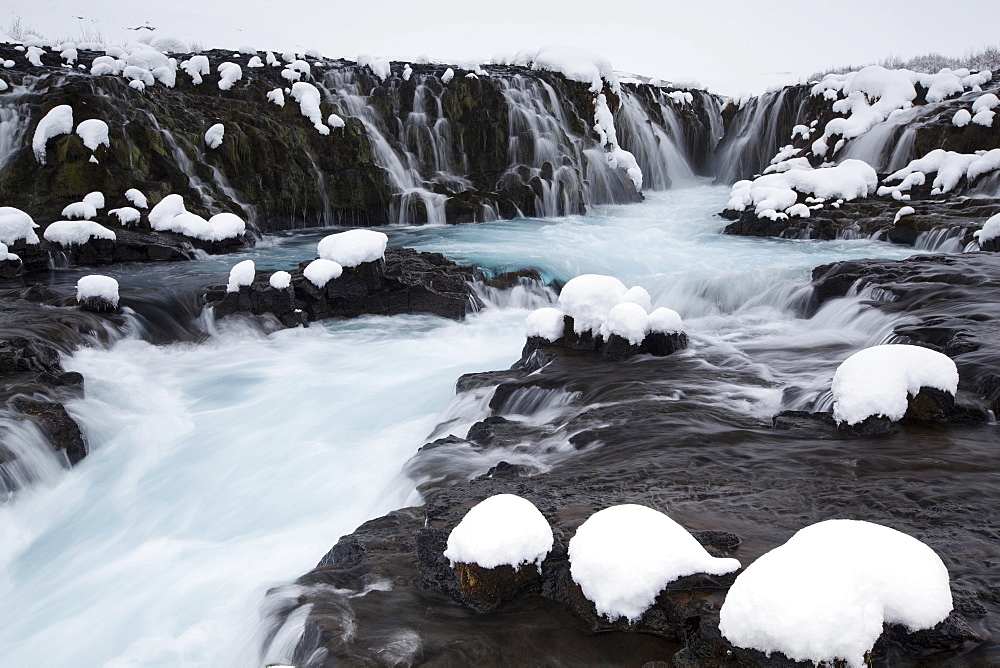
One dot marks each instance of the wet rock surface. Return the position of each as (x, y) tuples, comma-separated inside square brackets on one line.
[(405, 281)]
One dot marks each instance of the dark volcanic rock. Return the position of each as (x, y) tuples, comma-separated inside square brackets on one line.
[(406, 281), (615, 348)]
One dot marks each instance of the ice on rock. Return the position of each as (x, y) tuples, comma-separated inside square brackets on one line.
[(320, 272), (308, 98), (588, 298), (878, 380), (277, 96), (825, 594), (230, 73), (546, 323), (381, 68), (214, 135), (448, 75), (351, 248), (80, 210), (59, 121), (76, 232), (623, 556), (242, 274), (126, 215), (665, 321), (504, 529), (16, 225), (991, 230), (136, 197), (197, 67), (280, 280), (93, 132), (961, 118), (96, 286)]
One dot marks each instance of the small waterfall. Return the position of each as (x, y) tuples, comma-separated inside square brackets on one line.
[(226, 187), (26, 457), (187, 167), (942, 240), (14, 118), (890, 145), (656, 148)]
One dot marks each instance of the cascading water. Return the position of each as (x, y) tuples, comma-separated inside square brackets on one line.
[(14, 118)]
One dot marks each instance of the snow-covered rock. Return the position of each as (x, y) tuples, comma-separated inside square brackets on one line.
[(226, 226), (990, 231), (214, 135), (879, 380), (97, 292), (59, 121), (94, 133), (353, 247), (276, 96), (94, 199), (825, 594), (16, 225), (504, 529), (588, 299), (80, 210), (950, 167), (280, 280), (448, 75), (229, 74), (545, 323), (575, 64), (76, 232), (623, 556), (335, 121), (320, 272), (308, 98), (665, 321), (137, 198), (773, 194), (197, 67), (170, 215), (961, 118), (617, 157), (905, 211), (126, 215), (242, 274)]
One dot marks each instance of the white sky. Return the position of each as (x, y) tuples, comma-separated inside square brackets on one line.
[(732, 46)]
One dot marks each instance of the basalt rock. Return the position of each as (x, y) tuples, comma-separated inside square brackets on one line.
[(613, 348), (405, 281)]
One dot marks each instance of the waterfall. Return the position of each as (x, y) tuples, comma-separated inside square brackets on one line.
[(14, 115)]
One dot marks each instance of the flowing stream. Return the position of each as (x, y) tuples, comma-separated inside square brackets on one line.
[(223, 468)]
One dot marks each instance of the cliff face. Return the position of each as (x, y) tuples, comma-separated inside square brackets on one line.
[(411, 150)]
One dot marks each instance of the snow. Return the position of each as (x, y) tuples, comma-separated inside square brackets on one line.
[(280, 280), (623, 556), (961, 118), (407, 73), (76, 232), (665, 321), (308, 98), (545, 323), (627, 320), (170, 44), (106, 65), (197, 67), (15, 225), (681, 97), (380, 66), (139, 74), (773, 193), (277, 96), (6, 255), (230, 73), (877, 380), (588, 299), (126, 215), (69, 55), (242, 274), (166, 76), (93, 132), (319, 272), (351, 248), (59, 121), (617, 157), (335, 121), (988, 101), (984, 118), (34, 55), (905, 211), (302, 67), (290, 75), (950, 167), (214, 135), (991, 229), (3, 85), (271, 60), (165, 210), (504, 529), (83, 210), (825, 594), (448, 75), (144, 56), (137, 198), (97, 286), (226, 226), (639, 295), (255, 62), (575, 64), (95, 199)]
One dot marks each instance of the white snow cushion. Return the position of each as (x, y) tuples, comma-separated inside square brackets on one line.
[(546, 323), (504, 529), (59, 121), (353, 247), (16, 224), (991, 229), (126, 215), (825, 594), (320, 272), (214, 135), (93, 132), (627, 320), (588, 298), (95, 285), (665, 321), (137, 198), (623, 556), (76, 232), (242, 274), (877, 380), (280, 280)]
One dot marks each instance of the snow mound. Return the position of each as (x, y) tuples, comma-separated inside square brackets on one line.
[(627, 320), (197, 67), (825, 594), (665, 321), (950, 168), (308, 98), (76, 232), (877, 380), (335, 121), (905, 211), (277, 96), (6, 255), (214, 135), (991, 230), (321, 271), (588, 299), (226, 226), (16, 225), (255, 62), (984, 118), (546, 323), (93, 132), (169, 215), (504, 529), (242, 274), (80, 210), (772, 194), (126, 215), (59, 121), (95, 199), (961, 118), (229, 74), (97, 286), (623, 556), (280, 280), (984, 102), (137, 198), (617, 157), (351, 248), (575, 64), (448, 75)]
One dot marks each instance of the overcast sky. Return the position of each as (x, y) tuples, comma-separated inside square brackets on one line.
[(731, 46)]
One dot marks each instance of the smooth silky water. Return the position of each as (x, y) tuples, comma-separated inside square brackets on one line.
[(222, 468)]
